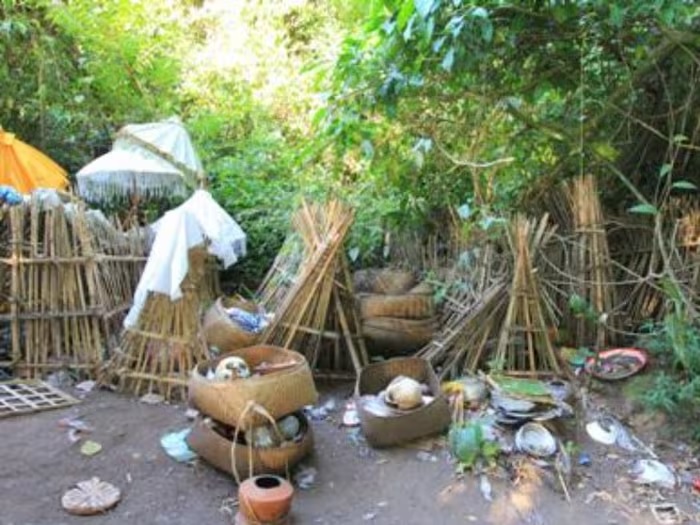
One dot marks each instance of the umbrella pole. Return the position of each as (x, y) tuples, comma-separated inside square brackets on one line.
[(133, 217)]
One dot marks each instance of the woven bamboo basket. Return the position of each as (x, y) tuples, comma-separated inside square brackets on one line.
[(417, 303), (281, 392), (391, 335), (383, 281), (431, 418), (220, 331), (217, 450)]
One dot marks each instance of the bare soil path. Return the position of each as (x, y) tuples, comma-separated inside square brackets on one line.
[(354, 484)]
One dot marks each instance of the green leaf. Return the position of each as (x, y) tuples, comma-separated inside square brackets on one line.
[(487, 30), (424, 7), (606, 151), (406, 12), (90, 448), (479, 12), (617, 15), (409, 29), (437, 45), (684, 185), (665, 170), (645, 209), (449, 60), (429, 29), (679, 139)]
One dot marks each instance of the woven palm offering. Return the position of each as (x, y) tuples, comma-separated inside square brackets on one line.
[(91, 497)]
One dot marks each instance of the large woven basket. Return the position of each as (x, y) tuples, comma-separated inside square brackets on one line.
[(280, 393), (431, 418), (391, 335), (220, 331), (417, 303), (383, 281), (217, 450)]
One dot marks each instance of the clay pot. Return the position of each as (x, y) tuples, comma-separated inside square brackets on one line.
[(265, 498)]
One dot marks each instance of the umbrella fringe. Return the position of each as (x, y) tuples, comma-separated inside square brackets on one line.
[(116, 186)]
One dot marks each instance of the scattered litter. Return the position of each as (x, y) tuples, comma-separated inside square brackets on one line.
[(90, 448), (696, 484), (518, 401), (321, 412), (76, 428), (229, 506), (485, 487), (369, 516), (666, 513), (608, 431), (90, 497), (471, 390), (601, 434), (534, 439), (562, 465), (305, 478), (350, 417), (176, 447), (382, 504), (599, 495), (152, 399), (191, 413), (559, 389), (618, 363), (584, 459), (426, 456), (86, 386), (653, 472), (60, 379), (75, 424)]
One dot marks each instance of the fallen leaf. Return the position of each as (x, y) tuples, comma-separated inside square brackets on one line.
[(90, 448)]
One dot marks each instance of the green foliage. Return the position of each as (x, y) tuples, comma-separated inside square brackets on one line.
[(676, 344), (531, 81), (400, 107)]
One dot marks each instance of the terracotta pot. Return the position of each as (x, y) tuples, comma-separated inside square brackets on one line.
[(265, 498)]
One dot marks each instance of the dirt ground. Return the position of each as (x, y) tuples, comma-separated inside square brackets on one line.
[(354, 484)]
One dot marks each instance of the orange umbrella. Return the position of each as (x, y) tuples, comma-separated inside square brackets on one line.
[(26, 168)]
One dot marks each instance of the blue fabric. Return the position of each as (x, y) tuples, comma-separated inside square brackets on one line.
[(10, 196), (254, 323)]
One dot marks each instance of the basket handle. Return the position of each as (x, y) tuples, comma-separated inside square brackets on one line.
[(242, 422)]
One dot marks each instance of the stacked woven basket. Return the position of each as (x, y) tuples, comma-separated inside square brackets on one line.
[(398, 314), (222, 332), (234, 409)]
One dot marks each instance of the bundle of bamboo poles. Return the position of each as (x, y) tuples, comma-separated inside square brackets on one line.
[(157, 354), (591, 270), (524, 345), (58, 292), (309, 289), (463, 341), (496, 309)]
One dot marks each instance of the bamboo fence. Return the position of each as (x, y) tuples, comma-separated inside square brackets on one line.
[(60, 287)]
